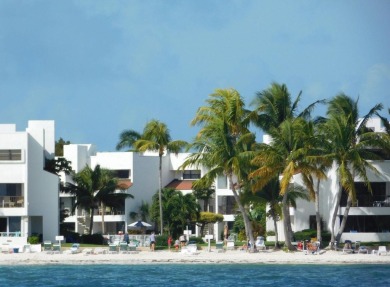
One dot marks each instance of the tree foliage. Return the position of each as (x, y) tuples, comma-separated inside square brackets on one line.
[(155, 137), (178, 210), (59, 147), (224, 144), (94, 188)]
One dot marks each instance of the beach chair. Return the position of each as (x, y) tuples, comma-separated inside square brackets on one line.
[(382, 250), (87, 251), (230, 245), (260, 244), (75, 248), (47, 246), (219, 246), (56, 249), (191, 248), (362, 249), (313, 248), (27, 248), (99, 250), (123, 247), (112, 249), (132, 248), (347, 247)]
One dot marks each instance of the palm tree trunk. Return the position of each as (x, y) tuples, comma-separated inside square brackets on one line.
[(159, 195), (274, 218), (287, 223), (334, 216), (344, 221), (91, 220), (247, 223), (103, 207), (317, 207)]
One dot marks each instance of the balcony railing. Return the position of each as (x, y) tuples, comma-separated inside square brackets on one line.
[(11, 201), (369, 201), (11, 234), (110, 211), (382, 203)]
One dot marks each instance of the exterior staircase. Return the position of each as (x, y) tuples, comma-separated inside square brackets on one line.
[(83, 223)]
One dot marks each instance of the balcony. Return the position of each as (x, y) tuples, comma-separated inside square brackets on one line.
[(11, 201), (382, 203), (11, 234), (110, 211)]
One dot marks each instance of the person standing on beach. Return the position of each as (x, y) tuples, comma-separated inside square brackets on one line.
[(152, 241), (126, 237), (169, 242), (177, 244)]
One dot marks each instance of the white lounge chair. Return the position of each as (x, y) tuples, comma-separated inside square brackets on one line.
[(382, 250), (190, 249), (124, 248), (113, 249), (87, 251), (47, 246), (347, 247), (362, 249), (99, 250), (56, 249), (219, 246), (260, 244), (75, 248)]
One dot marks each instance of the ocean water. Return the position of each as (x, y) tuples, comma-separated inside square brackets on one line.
[(196, 275)]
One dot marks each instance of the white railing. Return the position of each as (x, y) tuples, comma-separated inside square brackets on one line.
[(11, 201), (139, 240), (10, 234)]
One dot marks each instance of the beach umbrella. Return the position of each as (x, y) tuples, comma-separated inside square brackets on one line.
[(139, 224)]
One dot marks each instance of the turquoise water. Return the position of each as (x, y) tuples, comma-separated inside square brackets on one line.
[(196, 275)]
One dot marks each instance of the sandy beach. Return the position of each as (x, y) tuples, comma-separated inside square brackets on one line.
[(201, 257)]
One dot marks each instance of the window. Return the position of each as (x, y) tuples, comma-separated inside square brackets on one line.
[(122, 173), (191, 174), (365, 197), (11, 189), (367, 223), (14, 224), (222, 182), (10, 154)]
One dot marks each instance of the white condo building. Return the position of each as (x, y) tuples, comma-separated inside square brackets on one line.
[(30, 202), (141, 169), (28, 193), (368, 221)]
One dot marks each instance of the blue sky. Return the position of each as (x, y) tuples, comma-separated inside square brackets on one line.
[(99, 67)]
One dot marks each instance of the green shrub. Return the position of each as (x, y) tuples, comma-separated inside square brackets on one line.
[(71, 237), (197, 240), (96, 238), (307, 234), (270, 233), (162, 240), (33, 239)]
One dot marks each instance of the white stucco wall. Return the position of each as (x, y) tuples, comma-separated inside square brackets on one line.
[(40, 188)]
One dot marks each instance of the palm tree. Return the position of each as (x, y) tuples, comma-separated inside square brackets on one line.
[(224, 144), (178, 209), (285, 155), (352, 145), (317, 148), (94, 188), (270, 195), (204, 193), (155, 137)]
